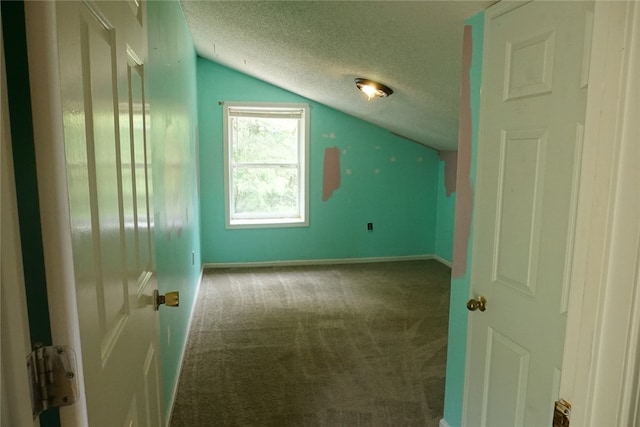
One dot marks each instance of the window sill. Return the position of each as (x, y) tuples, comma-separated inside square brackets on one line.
[(266, 223)]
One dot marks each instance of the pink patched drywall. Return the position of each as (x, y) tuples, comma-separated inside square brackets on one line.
[(464, 192), (331, 172), (450, 159)]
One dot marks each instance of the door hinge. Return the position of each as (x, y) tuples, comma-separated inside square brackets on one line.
[(561, 413), (53, 377)]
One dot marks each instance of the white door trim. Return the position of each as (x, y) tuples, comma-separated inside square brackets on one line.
[(601, 357), (15, 345), (52, 184)]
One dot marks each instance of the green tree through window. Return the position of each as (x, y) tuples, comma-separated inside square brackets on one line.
[(266, 149)]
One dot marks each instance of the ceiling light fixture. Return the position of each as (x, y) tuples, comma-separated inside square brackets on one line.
[(373, 89)]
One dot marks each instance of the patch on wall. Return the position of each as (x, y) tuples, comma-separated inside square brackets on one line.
[(331, 172), (450, 159), (464, 196)]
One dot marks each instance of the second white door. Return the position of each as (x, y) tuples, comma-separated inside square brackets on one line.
[(535, 74)]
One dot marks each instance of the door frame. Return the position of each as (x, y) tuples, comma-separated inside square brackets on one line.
[(46, 102), (600, 226), (16, 340), (603, 316)]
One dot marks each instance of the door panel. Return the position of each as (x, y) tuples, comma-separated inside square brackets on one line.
[(132, 415), (152, 388), (99, 63), (529, 65), (507, 375), (520, 179), (529, 149), (139, 163), (102, 49)]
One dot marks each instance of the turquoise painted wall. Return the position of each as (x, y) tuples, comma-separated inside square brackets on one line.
[(458, 314), (385, 180), (444, 217), (173, 128)]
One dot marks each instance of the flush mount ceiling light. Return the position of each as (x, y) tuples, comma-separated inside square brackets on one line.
[(373, 89)]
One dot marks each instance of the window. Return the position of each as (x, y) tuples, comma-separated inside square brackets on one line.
[(266, 153)]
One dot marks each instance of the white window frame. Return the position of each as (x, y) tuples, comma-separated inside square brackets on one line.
[(265, 220)]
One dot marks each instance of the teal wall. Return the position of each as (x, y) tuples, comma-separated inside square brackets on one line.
[(457, 343), (444, 217), (386, 180), (173, 128)]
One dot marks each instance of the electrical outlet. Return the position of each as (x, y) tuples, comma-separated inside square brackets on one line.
[(369, 226)]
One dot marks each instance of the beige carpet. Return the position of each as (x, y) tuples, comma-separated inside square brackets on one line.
[(340, 345)]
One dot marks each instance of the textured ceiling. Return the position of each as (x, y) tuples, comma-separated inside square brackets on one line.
[(317, 48)]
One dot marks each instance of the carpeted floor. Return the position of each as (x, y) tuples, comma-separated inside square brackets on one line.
[(332, 345)]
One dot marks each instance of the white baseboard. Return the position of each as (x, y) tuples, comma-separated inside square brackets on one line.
[(442, 260), (174, 392), (443, 423), (325, 261)]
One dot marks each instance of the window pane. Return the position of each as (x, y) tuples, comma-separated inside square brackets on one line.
[(264, 140), (265, 190)]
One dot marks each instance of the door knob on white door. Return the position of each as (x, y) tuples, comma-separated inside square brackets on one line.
[(477, 304), (170, 299)]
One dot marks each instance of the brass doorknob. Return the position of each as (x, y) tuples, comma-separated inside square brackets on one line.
[(170, 299), (477, 304)]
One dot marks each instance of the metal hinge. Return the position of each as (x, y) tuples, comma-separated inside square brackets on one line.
[(561, 413), (52, 377)]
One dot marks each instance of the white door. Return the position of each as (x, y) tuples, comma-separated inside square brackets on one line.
[(102, 50), (535, 75), (15, 343)]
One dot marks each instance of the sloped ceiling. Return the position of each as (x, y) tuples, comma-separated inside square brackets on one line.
[(317, 48)]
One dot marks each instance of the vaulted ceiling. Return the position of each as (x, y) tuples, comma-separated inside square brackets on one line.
[(317, 48)]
